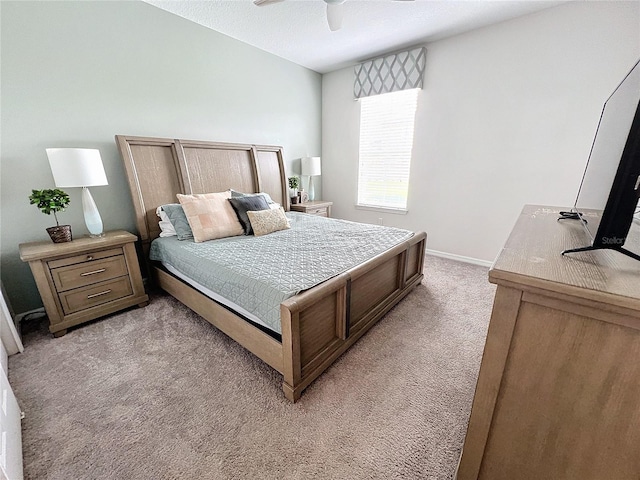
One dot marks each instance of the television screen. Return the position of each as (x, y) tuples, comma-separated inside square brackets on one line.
[(608, 195)]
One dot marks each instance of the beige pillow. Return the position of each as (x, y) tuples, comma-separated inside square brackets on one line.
[(268, 221), (210, 216)]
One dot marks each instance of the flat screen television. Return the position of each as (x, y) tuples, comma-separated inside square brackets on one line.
[(609, 194)]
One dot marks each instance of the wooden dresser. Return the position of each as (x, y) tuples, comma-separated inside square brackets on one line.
[(558, 394), (86, 278)]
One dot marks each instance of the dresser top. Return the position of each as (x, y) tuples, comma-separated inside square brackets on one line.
[(532, 256), (48, 249)]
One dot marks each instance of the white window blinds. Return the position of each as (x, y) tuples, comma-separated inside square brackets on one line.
[(386, 141)]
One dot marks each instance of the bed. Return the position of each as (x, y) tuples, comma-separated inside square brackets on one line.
[(316, 325)]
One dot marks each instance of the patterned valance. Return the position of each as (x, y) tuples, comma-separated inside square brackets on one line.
[(397, 71)]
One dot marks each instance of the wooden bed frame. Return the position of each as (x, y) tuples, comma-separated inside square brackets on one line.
[(319, 324)]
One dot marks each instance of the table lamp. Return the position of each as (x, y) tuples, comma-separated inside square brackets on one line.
[(311, 167), (80, 167)]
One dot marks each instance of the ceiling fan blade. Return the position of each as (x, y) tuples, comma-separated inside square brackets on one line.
[(334, 15), (260, 3)]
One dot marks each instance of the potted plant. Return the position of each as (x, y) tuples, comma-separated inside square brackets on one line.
[(294, 184), (51, 201)]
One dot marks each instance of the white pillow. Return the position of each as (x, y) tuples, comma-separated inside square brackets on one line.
[(166, 227)]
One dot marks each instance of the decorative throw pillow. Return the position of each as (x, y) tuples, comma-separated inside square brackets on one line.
[(210, 216), (266, 196), (243, 204), (268, 221), (179, 220)]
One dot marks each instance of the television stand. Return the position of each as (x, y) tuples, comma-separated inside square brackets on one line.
[(623, 251), (557, 392)]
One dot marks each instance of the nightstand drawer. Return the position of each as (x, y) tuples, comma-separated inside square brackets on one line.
[(87, 257), (87, 273), (320, 211), (318, 208), (87, 297)]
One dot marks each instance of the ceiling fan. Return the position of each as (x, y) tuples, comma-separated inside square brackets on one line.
[(334, 11)]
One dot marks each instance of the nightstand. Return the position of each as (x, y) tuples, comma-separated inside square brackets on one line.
[(314, 207), (86, 278)]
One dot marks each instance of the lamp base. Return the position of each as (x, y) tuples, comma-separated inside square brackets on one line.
[(312, 193), (91, 214)]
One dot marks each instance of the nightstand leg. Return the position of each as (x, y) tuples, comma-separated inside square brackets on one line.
[(143, 304), (60, 333)]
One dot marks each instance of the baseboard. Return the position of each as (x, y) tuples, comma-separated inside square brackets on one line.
[(459, 258)]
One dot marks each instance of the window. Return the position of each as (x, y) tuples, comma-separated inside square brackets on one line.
[(386, 140)]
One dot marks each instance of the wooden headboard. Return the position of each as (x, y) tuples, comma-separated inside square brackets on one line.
[(160, 168)]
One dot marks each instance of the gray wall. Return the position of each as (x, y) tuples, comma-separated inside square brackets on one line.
[(74, 74)]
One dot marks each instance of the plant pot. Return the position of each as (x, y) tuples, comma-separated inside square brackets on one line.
[(294, 200), (60, 234)]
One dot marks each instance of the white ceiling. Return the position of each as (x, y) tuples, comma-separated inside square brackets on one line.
[(297, 30)]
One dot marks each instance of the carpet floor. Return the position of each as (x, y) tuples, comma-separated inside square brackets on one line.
[(158, 393)]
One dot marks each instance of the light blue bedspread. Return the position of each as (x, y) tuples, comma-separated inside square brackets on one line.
[(258, 273)]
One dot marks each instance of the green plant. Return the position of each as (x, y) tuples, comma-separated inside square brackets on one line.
[(50, 201), (294, 183)]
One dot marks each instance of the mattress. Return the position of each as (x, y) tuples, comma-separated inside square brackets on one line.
[(253, 275)]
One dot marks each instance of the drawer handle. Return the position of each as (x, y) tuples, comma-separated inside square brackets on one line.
[(94, 295), (93, 272), (89, 257)]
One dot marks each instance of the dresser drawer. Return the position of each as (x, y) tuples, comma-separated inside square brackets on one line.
[(87, 273), (87, 297)]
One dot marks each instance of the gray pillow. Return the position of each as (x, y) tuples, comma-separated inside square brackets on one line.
[(266, 196), (179, 220), (242, 205)]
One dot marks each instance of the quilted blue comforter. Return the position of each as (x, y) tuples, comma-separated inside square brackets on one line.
[(258, 273)]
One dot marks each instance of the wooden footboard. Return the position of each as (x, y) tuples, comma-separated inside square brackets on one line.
[(323, 322)]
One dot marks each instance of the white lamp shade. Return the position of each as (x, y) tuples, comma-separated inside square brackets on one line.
[(76, 167), (310, 166)]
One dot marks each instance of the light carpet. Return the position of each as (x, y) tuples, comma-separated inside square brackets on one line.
[(158, 393)]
